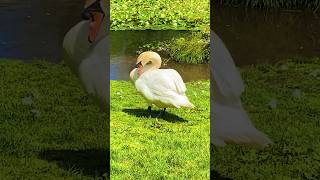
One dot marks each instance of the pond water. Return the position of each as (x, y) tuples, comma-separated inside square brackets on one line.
[(34, 29), (256, 36), (124, 47)]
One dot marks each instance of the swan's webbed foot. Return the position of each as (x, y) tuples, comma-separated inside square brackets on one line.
[(157, 116)]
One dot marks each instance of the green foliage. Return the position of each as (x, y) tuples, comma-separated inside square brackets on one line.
[(44, 110), (193, 49), (173, 147), (293, 124), (311, 4), (161, 14)]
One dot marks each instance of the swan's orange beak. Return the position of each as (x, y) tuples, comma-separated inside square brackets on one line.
[(139, 68), (139, 65), (96, 19)]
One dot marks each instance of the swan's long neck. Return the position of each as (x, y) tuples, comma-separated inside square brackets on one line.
[(103, 27), (155, 64)]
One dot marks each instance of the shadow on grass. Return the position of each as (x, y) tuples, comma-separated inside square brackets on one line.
[(144, 113), (215, 175), (94, 163)]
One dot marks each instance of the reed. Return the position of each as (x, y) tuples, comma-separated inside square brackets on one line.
[(268, 4)]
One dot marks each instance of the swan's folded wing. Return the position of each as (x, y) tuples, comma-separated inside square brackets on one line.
[(177, 82), (224, 70), (161, 83)]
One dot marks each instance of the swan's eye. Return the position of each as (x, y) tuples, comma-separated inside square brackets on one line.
[(148, 63)]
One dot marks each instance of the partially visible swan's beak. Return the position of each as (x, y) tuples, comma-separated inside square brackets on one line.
[(95, 25), (139, 65), (139, 68), (95, 14)]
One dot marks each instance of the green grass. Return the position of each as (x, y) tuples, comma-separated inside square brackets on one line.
[(49, 127), (173, 147), (162, 14), (192, 49), (287, 4), (293, 123)]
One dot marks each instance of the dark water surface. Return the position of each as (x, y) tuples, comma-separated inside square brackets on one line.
[(255, 36), (34, 29)]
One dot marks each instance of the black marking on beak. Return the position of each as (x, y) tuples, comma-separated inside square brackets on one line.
[(94, 7), (139, 64)]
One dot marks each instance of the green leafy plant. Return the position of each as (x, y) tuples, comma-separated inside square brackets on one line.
[(162, 14)]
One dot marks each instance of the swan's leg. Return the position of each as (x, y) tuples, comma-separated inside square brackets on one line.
[(149, 110), (164, 111), (161, 113)]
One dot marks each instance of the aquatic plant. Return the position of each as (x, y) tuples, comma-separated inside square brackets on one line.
[(194, 48), (162, 14)]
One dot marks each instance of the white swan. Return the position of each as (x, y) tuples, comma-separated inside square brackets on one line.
[(161, 87), (229, 121), (86, 50)]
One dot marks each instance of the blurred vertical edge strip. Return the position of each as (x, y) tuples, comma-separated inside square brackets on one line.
[(108, 87), (211, 88)]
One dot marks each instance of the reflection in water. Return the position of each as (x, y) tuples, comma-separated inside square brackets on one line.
[(125, 44), (255, 36), (35, 29)]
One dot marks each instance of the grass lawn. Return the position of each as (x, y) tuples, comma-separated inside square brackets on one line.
[(284, 102), (173, 147), (49, 127)]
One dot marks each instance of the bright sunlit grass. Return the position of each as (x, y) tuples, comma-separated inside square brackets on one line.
[(173, 147)]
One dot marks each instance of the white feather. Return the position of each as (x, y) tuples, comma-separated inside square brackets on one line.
[(229, 121), (89, 61)]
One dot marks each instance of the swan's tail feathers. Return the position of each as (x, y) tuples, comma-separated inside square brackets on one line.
[(252, 138), (188, 105), (232, 125), (182, 101)]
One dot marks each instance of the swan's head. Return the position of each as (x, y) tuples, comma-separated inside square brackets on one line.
[(149, 58), (146, 61), (95, 11)]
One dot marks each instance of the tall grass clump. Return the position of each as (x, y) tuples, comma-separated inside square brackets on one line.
[(287, 4), (192, 49)]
